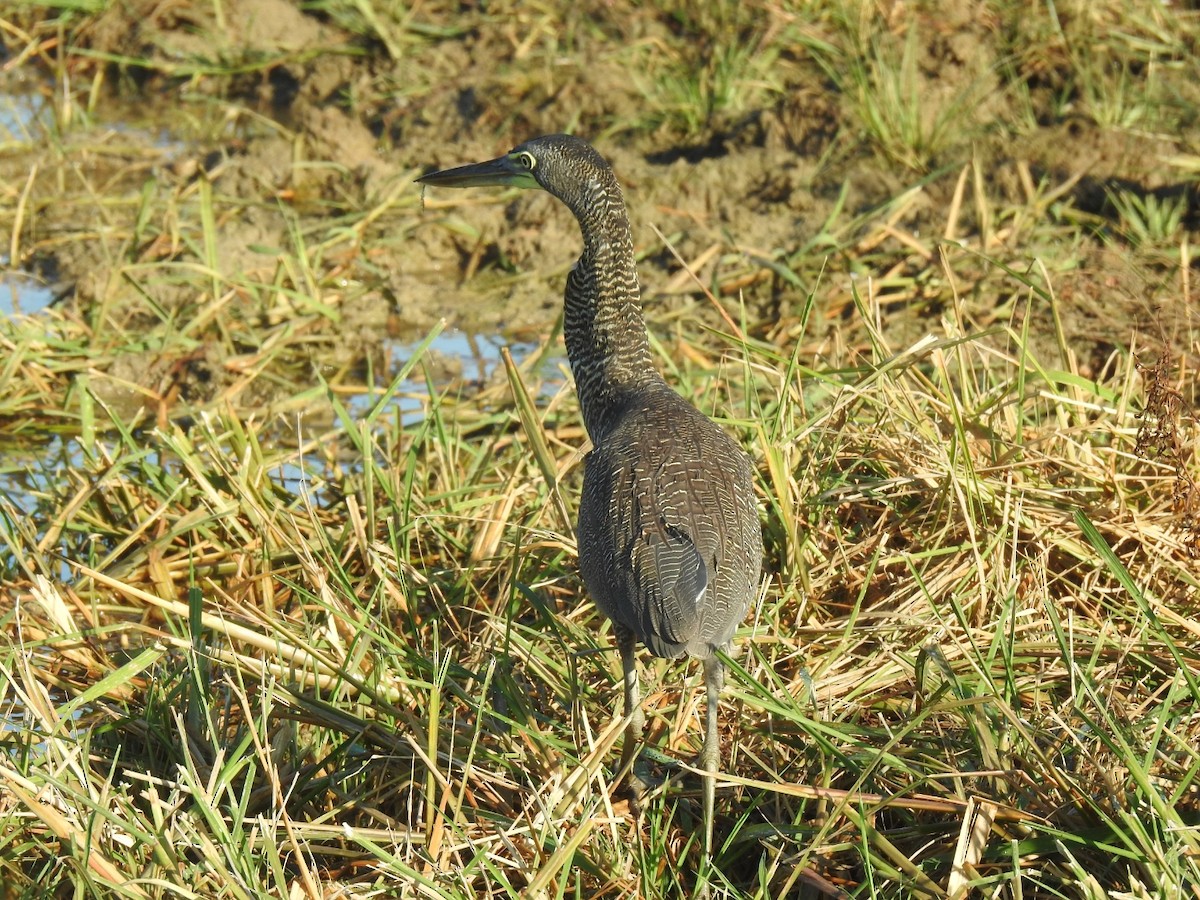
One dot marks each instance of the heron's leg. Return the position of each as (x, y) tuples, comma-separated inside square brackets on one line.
[(710, 753), (627, 644)]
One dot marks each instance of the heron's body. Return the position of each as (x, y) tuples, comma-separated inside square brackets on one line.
[(669, 541), (666, 515)]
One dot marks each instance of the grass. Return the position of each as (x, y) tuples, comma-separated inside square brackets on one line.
[(894, 103), (364, 691), (285, 616)]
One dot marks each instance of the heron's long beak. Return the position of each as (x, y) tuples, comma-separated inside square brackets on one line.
[(499, 172)]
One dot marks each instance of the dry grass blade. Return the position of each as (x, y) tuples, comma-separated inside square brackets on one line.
[(73, 835), (532, 425), (289, 601), (972, 842)]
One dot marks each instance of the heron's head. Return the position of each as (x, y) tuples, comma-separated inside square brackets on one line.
[(562, 164)]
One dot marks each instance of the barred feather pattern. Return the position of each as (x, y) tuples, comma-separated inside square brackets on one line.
[(670, 545)]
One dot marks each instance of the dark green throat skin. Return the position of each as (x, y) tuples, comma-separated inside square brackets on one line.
[(670, 546)]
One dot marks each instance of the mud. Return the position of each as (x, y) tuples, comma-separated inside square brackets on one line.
[(337, 126)]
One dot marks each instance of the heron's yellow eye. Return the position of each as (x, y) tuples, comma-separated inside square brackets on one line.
[(526, 160)]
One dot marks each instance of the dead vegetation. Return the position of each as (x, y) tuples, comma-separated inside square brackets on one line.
[(285, 612)]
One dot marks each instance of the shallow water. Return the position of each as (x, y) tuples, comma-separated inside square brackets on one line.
[(35, 473), (22, 293), (36, 469), (23, 115)]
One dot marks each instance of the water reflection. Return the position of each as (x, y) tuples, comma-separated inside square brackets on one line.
[(22, 293), (25, 113)]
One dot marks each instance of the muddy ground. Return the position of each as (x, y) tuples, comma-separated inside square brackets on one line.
[(324, 137)]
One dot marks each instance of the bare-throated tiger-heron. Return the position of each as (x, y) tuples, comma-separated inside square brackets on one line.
[(670, 546)]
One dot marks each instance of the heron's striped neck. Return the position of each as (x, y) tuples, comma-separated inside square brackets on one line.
[(603, 325)]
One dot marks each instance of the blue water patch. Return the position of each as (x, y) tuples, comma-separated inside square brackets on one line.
[(22, 293), (457, 357), (32, 476), (23, 112), (35, 474)]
